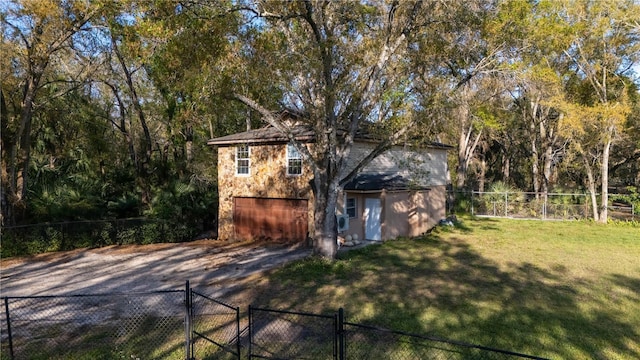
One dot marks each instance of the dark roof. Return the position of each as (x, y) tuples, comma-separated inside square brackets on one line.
[(302, 133), (265, 135), (390, 181)]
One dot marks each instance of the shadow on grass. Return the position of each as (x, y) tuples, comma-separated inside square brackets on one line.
[(446, 288)]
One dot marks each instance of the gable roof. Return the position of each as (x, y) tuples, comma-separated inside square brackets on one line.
[(388, 181), (302, 133), (265, 135)]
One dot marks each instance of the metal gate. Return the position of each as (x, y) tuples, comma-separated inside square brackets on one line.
[(214, 327)]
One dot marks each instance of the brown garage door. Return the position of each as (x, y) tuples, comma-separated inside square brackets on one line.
[(278, 220)]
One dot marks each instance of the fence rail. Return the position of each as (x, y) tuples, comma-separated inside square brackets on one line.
[(176, 324)]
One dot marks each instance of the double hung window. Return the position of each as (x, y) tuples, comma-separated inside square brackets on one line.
[(242, 160), (294, 161), (352, 207)]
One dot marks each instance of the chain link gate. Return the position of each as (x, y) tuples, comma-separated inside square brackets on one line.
[(214, 327)]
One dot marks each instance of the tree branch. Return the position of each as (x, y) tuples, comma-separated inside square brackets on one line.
[(378, 150), (276, 122)]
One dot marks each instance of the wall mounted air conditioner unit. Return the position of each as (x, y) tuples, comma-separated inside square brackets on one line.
[(343, 222)]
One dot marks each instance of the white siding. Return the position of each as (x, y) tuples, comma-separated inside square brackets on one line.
[(424, 166)]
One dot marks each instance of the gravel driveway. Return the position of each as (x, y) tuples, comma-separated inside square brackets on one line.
[(207, 264)]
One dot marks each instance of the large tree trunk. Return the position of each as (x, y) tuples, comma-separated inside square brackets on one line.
[(21, 151), (506, 168), (123, 125), (533, 139), (466, 147), (591, 186), (604, 206), (326, 199), (146, 143)]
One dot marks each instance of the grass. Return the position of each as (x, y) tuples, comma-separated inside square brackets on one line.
[(567, 290)]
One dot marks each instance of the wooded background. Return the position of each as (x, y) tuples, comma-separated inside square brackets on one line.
[(106, 105)]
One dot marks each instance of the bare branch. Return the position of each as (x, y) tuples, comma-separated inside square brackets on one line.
[(377, 151), (276, 122)]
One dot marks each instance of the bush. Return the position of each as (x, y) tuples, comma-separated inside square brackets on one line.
[(48, 237)]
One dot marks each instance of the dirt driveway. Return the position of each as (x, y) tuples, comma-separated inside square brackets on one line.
[(209, 265)]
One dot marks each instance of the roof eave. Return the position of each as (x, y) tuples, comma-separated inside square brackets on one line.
[(303, 139)]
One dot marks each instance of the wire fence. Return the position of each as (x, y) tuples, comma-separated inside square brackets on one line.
[(368, 342), (277, 334), (186, 324), (95, 326), (215, 328), (154, 325), (550, 206)]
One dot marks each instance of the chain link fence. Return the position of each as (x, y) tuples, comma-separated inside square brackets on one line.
[(527, 205), (367, 342), (186, 324), (155, 325), (145, 326), (550, 206), (277, 334)]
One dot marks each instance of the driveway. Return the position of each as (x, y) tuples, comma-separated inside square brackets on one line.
[(209, 265)]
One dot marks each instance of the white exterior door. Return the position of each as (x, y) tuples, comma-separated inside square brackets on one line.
[(372, 224)]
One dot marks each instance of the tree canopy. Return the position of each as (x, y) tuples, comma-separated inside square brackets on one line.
[(106, 105)]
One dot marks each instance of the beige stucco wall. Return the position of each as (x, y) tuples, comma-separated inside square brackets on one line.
[(404, 213), (267, 179), (437, 209)]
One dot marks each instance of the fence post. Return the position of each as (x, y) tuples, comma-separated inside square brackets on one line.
[(238, 331), (341, 342), (6, 312), (506, 204), (187, 321), (250, 331)]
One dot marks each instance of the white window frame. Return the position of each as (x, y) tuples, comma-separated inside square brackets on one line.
[(354, 207), (241, 148), (289, 159)]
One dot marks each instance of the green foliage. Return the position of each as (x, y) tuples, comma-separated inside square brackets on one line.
[(42, 238), (187, 203), (632, 198), (88, 157), (462, 203), (499, 190)]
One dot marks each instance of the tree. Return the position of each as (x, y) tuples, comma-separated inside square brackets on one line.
[(38, 34), (603, 47), (459, 55), (341, 65)]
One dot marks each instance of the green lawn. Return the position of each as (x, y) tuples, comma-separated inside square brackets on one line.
[(568, 290)]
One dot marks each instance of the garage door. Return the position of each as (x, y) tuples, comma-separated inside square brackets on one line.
[(277, 220)]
